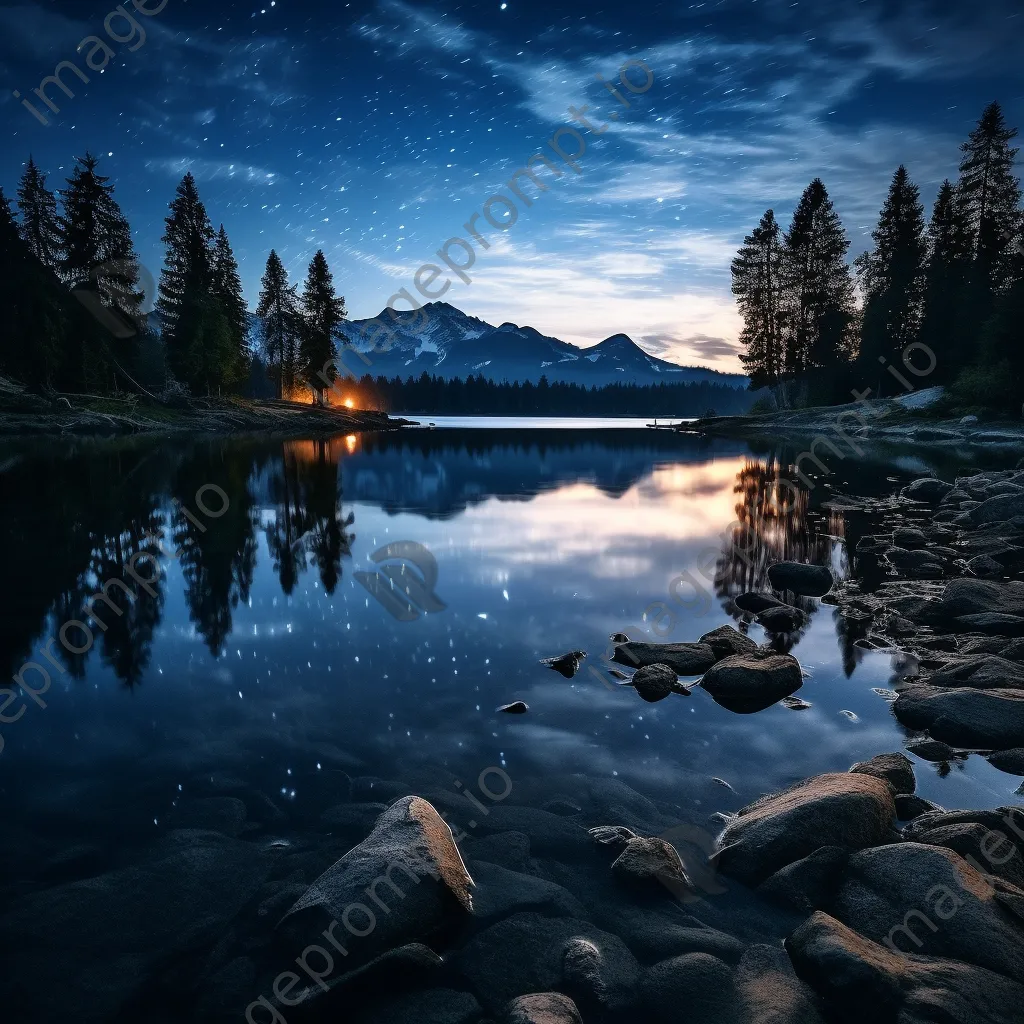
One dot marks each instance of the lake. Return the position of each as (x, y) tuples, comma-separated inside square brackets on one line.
[(307, 623)]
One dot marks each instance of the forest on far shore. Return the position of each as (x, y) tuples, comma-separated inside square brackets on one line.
[(941, 303)]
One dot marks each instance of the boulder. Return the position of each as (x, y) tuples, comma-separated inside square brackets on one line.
[(410, 863), (501, 892), (927, 489), (986, 567), (601, 986), (726, 641), (754, 603), (967, 596), (1009, 761), (770, 992), (810, 883), (997, 623), (697, 984), (909, 537), (683, 659), (964, 716), (909, 807), (851, 810), (931, 750), (923, 899), (861, 980), (542, 1008), (998, 509), (654, 682), (783, 619), (806, 580), (991, 848), (896, 769), (753, 681), (917, 560), (985, 671)]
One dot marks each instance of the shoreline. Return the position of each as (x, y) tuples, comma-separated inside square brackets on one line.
[(32, 418), (877, 422)]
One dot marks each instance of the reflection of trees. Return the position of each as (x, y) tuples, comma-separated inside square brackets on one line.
[(217, 553), (70, 525), (308, 519), (772, 525)]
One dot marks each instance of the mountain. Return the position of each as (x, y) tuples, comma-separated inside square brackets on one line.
[(453, 344)]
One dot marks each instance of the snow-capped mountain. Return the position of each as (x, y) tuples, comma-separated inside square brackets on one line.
[(453, 344)]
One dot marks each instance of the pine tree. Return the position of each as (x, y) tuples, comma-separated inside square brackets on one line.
[(756, 283), (324, 313), (946, 275), (100, 262), (35, 316), (892, 275), (40, 222), (279, 312), (226, 286), (991, 196), (817, 287), (185, 285)]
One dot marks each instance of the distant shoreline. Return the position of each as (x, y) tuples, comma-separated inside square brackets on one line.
[(30, 417)]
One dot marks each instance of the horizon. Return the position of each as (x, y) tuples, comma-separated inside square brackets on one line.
[(440, 106)]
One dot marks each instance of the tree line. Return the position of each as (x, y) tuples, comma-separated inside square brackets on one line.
[(941, 303), (74, 300), (480, 396)]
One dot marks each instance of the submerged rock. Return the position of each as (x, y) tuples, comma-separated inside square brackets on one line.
[(695, 987), (683, 659), (806, 580), (751, 682), (542, 1008), (929, 900), (844, 809), (896, 769), (861, 980), (931, 750), (650, 859), (410, 848)]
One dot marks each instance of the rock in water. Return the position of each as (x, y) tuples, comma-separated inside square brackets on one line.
[(751, 682), (806, 580), (896, 769), (683, 659), (842, 809), (866, 981), (542, 1008), (755, 603), (964, 716), (410, 849), (927, 489), (931, 750), (727, 640), (645, 859), (783, 619), (654, 682), (565, 664), (517, 707)]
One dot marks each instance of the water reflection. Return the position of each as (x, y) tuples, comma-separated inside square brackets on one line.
[(74, 522)]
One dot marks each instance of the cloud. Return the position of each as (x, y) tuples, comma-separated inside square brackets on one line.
[(215, 170)]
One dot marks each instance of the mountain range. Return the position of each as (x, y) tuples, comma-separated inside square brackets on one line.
[(452, 344)]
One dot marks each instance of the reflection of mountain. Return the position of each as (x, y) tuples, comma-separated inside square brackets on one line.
[(441, 473)]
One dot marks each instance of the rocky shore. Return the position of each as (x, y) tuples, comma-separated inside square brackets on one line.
[(845, 897), (28, 416)]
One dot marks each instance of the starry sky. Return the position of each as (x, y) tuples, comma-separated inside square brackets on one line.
[(376, 129)]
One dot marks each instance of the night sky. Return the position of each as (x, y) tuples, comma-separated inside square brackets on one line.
[(374, 130)]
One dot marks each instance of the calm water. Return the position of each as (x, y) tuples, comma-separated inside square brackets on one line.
[(274, 651)]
